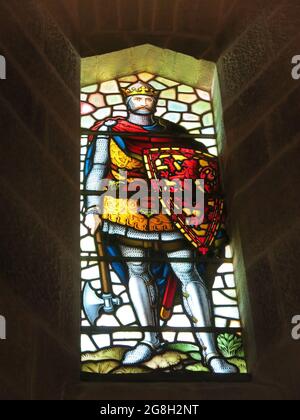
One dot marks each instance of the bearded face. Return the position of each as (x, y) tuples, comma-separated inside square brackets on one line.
[(141, 104)]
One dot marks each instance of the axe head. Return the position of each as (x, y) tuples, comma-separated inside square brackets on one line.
[(94, 303)]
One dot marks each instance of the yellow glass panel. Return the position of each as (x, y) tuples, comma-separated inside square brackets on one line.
[(145, 77), (185, 89), (167, 82), (128, 79), (187, 98), (125, 84), (168, 94)]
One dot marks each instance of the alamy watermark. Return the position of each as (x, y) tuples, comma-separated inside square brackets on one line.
[(296, 67), (296, 328), (2, 68), (137, 196), (2, 328)]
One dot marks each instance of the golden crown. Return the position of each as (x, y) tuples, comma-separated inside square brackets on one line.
[(139, 89)]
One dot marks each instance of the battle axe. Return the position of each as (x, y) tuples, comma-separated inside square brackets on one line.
[(94, 302)]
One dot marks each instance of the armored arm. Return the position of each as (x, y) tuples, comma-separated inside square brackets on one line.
[(98, 171)]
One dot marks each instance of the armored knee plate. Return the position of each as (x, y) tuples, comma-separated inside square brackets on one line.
[(197, 303)]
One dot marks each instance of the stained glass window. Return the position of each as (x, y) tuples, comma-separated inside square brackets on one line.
[(154, 300)]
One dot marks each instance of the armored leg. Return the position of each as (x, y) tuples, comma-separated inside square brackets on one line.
[(143, 294), (197, 305)]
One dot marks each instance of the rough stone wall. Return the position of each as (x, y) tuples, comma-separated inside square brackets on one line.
[(262, 181), (39, 278), (253, 44), (180, 25)]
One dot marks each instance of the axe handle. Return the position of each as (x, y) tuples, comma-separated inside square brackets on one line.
[(103, 266)]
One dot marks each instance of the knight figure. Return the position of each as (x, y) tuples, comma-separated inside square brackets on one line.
[(138, 234)]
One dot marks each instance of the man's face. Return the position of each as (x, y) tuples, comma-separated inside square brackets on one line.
[(142, 104)]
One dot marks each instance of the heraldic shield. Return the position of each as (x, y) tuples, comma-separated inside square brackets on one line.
[(171, 164)]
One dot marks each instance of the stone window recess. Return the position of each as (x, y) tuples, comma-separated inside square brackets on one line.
[(189, 96)]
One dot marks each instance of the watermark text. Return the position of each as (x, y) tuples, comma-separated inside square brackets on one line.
[(296, 67), (2, 68), (2, 328), (137, 196), (296, 328)]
